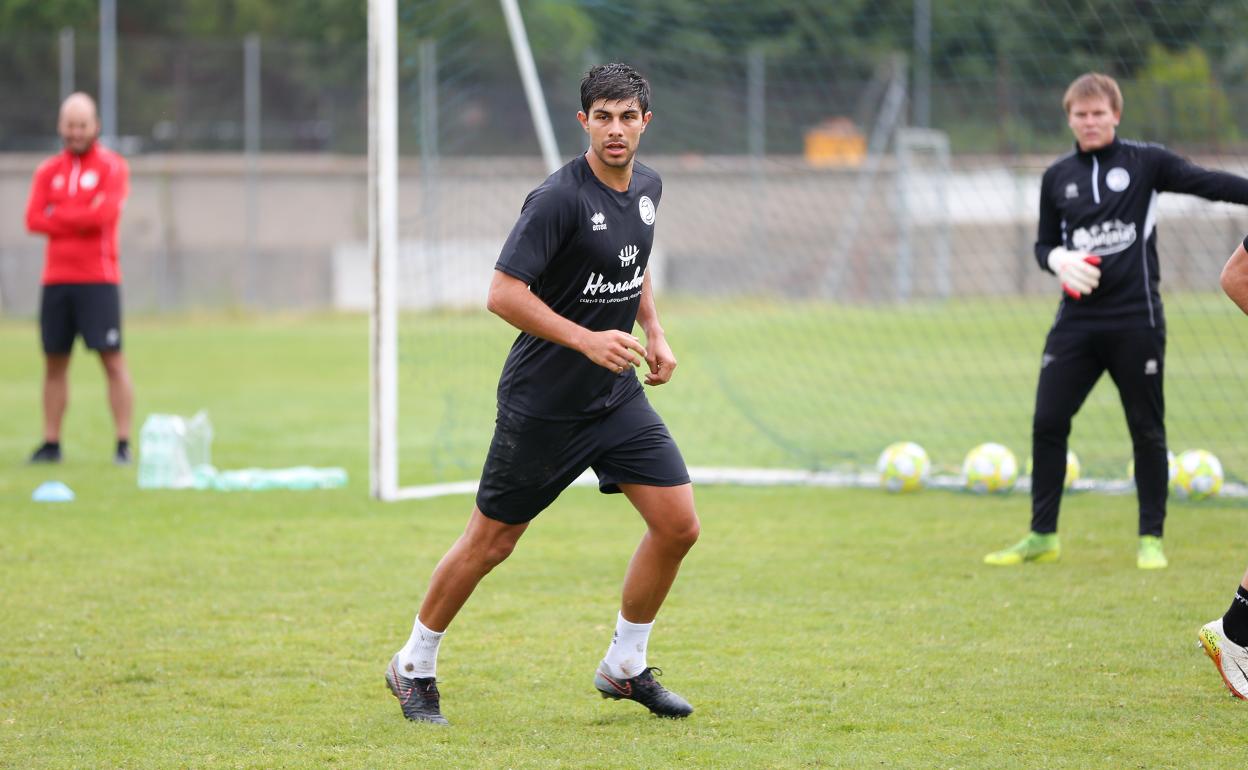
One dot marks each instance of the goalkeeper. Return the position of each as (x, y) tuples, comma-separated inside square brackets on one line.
[(572, 277), (1098, 211)]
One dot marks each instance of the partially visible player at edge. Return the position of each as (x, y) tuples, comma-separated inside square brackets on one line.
[(1098, 208), (1226, 639), (76, 199), (572, 277)]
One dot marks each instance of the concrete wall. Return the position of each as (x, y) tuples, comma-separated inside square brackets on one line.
[(725, 226)]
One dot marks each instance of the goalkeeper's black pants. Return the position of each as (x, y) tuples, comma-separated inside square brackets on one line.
[(1073, 361)]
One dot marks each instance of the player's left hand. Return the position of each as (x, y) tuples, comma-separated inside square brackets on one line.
[(661, 361)]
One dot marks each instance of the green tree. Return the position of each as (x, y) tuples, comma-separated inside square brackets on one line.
[(1175, 98)]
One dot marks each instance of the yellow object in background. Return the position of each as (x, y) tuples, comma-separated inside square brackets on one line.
[(835, 142)]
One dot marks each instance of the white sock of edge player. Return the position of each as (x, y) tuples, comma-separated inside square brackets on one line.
[(419, 657), (626, 656)]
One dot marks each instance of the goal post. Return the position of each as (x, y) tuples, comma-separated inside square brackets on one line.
[(383, 154), (383, 229)]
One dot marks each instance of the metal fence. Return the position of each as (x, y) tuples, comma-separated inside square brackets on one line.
[(249, 186)]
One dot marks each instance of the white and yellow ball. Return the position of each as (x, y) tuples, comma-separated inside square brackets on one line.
[(1198, 475), (903, 467), (989, 468), (1073, 469)]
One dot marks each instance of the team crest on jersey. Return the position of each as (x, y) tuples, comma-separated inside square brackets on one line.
[(646, 207), (1105, 238), (1072, 191), (599, 221), (89, 180), (628, 255), (58, 182), (1117, 179)]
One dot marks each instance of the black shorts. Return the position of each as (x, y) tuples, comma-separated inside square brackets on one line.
[(532, 460), (90, 309)]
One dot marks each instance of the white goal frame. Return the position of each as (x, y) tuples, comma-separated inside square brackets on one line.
[(383, 245), (383, 233)]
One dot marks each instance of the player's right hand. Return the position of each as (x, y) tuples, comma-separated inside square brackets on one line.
[(1078, 271), (613, 349)]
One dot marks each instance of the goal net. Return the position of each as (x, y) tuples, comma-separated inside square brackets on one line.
[(835, 271)]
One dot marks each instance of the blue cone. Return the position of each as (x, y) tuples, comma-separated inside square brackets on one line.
[(52, 492)]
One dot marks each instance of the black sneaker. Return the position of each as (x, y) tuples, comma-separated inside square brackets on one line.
[(122, 455), (48, 453), (646, 690), (418, 697)]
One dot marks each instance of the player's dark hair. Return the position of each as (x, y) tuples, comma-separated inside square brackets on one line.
[(614, 82)]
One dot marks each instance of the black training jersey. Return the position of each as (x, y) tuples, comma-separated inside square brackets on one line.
[(1105, 203), (583, 249)]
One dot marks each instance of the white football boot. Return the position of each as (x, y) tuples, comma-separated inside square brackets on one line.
[(1230, 658)]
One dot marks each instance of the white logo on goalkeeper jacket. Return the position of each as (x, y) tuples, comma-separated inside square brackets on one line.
[(599, 221), (1105, 238), (1117, 179), (1072, 191)]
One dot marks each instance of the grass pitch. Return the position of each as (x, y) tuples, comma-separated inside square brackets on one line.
[(816, 386), (810, 628)]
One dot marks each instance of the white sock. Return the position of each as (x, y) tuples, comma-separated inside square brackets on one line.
[(626, 657), (419, 657)]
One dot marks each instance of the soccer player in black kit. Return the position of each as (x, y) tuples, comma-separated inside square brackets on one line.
[(1097, 234), (572, 277), (1226, 639)]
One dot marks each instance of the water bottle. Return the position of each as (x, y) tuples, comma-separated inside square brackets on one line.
[(305, 477), (199, 441), (162, 453), (155, 449)]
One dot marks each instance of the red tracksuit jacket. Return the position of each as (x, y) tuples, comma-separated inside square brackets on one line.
[(76, 200)]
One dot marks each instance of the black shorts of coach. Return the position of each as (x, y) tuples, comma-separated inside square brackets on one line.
[(67, 310), (531, 460)]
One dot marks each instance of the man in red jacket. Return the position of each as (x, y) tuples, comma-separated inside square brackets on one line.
[(76, 200)]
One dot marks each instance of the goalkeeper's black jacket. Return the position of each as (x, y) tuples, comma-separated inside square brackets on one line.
[(1105, 203)]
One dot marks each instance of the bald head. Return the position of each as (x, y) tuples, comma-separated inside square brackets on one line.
[(79, 124)]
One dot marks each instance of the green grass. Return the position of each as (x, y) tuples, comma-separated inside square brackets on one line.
[(810, 385), (810, 627)]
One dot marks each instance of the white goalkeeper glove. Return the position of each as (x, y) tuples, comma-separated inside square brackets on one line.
[(1077, 270)]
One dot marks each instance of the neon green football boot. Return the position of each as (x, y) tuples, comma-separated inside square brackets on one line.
[(1035, 547), (1150, 555)]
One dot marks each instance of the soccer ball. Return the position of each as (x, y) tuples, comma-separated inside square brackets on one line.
[(1199, 475), (903, 467), (1172, 464), (989, 468), (1073, 469)]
